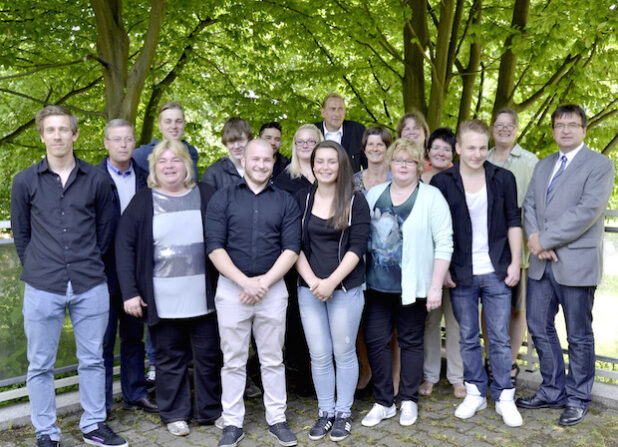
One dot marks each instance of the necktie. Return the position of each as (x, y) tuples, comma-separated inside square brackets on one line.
[(554, 180)]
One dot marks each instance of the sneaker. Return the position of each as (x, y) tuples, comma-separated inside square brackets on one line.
[(178, 428), (342, 428), (219, 423), (409, 413), (231, 436), (377, 414), (103, 436), (46, 441), (283, 433), (506, 408), (472, 403), (251, 389), (321, 426)]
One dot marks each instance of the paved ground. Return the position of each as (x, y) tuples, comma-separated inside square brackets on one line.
[(436, 426)]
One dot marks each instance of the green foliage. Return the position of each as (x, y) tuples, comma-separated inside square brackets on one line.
[(276, 59)]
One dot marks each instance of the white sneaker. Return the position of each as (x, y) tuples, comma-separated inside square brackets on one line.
[(409, 413), (377, 413), (506, 408), (178, 428), (472, 403)]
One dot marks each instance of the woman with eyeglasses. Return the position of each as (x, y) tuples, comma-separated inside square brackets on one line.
[(408, 255), (440, 151), (298, 176), (335, 227)]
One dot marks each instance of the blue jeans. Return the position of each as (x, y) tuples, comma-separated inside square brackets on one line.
[(543, 298), (331, 328), (496, 299), (131, 354), (43, 317)]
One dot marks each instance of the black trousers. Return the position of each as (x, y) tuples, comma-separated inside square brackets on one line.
[(174, 341), (384, 313)]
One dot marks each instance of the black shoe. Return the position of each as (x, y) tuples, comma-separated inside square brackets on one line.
[(321, 426), (283, 433), (572, 416), (534, 402), (45, 441), (342, 428), (490, 375), (251, 389), (145, 403), (514, 367), (231, 436), (104, 437)]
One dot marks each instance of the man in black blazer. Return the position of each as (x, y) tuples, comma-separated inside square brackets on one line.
[(347, 133), (127, 178)]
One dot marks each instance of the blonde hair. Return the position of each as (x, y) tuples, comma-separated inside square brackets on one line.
[(180, 150), (414, 149), (294, 167)]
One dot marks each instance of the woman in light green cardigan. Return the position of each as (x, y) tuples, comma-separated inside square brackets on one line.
[(409, 252)]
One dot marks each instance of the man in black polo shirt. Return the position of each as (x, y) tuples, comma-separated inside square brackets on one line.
[(61, 216), (253, 239)]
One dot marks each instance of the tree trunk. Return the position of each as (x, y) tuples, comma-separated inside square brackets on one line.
[(439, 86), (470, 73), (415, 39), (508, 60), (123, 89), (113, 49)]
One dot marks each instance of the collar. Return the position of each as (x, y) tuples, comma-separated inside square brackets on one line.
[(338, 131), (571, 154), (243, 184), (44, 165), (117, 171), (516, 151)]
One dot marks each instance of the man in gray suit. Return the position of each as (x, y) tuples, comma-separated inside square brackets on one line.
[(563, 211)]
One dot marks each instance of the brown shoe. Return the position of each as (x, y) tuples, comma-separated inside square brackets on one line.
[(459, 390), (426, 388)]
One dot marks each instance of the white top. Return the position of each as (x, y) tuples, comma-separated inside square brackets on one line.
[(477, 207), (179, 257), (125, 185), (335, 136), (427, 235)]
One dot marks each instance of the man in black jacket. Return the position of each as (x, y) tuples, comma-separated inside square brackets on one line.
[(127, 178), (347, 133)]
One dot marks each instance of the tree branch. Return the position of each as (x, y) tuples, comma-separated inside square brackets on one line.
[(556, 77), (44, 67), (610, 146), (159, 88)]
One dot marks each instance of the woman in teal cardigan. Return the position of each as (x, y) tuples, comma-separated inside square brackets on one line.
[(409, 252)]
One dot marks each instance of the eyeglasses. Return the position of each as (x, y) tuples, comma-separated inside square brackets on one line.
[(118, 140), (305, 142), (402, 162), (504, 126), (570, 126)]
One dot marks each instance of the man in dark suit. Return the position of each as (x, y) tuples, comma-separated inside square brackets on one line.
[(347, 133), (127, 178), (563, 210)]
